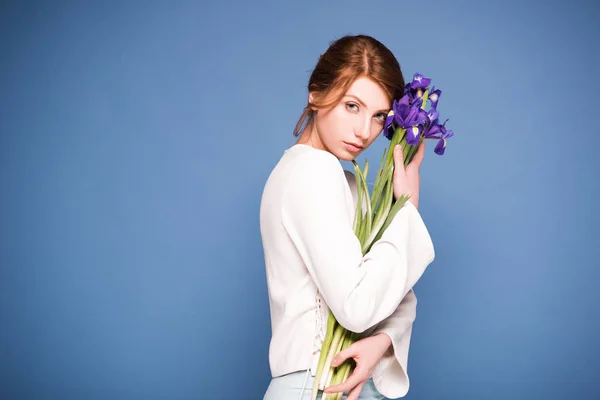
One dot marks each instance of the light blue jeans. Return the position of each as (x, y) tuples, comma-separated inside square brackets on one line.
[(288, 387)]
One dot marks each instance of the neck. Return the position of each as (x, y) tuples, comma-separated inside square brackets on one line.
[(310, 137)]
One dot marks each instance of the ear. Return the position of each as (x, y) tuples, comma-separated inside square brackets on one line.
[(311, 97)]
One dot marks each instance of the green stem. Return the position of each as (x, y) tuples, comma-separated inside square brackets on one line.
[(365, 190), (358, 215), (331, 325), (399, 134), (388, 197), (339, 374), (379, 191), (377, 185), (395, 208), (336, 342)]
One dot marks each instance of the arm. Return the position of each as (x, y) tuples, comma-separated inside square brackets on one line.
[(360, 291), (390, 375)]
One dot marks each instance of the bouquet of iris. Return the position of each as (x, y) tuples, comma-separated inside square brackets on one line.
[(407, 124)]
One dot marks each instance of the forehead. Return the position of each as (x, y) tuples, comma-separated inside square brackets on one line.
[(370, 92)]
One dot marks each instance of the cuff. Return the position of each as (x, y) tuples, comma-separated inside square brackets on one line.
[(390, 376)]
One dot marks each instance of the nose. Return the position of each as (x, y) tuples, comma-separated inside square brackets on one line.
[(363, 128)]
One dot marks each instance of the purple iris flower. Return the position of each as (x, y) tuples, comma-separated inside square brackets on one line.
[(434, 96), (412, 93), (435, 129), (438, 131), (419, 81), (411, 117), (413, 134), (388, 127), (415, 88), (432, 121), (432, 115), (408, 89), (407, 116), (441, 145)]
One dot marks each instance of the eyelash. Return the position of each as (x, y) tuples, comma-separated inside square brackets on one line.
[(381, 116)]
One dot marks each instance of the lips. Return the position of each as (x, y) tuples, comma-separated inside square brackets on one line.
[(355, 148)]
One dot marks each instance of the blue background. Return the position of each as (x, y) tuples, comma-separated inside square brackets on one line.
[(136, 138)]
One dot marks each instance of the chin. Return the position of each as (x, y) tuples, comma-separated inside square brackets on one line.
[(347, 155), (342, 153)]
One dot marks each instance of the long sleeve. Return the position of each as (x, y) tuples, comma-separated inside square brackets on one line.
[(391, 374), (361, 291)]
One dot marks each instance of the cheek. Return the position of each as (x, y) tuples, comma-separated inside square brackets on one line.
[(376, 129), (342, 121), (336, 123)]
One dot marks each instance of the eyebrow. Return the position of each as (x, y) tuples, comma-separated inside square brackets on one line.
[(384, 110)]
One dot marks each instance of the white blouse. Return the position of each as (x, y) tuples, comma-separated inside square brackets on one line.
[(314, 264)]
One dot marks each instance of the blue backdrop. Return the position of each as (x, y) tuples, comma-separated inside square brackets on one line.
[(136, 138)]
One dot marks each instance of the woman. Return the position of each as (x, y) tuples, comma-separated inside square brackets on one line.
[(313, 259)]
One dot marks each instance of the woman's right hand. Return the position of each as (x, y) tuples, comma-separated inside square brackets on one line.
[(406, 181)]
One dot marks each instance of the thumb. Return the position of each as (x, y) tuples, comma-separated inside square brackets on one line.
[(343, 355)]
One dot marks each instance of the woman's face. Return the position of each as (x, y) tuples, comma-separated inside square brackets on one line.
[(352, 125)]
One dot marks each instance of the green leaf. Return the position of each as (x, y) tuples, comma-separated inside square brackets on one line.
[(395, 208)]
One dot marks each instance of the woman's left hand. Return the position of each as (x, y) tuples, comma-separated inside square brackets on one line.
[(367, 353)]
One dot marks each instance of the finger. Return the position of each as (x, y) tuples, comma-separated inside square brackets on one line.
[(398, 158), (343, 355), (354, 393), (418, 158), (357, 376)]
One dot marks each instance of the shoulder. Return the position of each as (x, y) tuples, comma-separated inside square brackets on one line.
[(312, 166), (350, 178), (313, 174), (314, 187), (320, 158)]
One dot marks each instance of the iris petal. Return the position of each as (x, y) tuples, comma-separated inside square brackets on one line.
[(434, 131), (440, 147), (389, 119), (389, 131), (413, 135), (434, 96), (433, 115), (419, 81)]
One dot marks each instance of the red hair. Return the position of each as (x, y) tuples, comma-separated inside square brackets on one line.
[(347, 59)]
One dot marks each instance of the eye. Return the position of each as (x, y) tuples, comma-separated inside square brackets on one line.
[(353, 107), (381, 117)]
